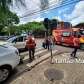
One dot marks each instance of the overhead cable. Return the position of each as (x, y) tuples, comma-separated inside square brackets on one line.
[(50, 8)]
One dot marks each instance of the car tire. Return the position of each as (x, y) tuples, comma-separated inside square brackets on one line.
[(4, 73)]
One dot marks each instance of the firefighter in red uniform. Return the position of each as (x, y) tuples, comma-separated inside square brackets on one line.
[(30, 44), (76, 45)]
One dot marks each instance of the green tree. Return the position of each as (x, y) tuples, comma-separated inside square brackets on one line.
[(7, 18), (36, 27), (4, 4), (53, 23)]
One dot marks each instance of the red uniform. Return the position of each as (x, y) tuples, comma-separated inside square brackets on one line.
[(76, 46), (30, 43), (76, 42)]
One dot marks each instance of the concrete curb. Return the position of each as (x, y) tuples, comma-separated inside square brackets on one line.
[(39, 60)]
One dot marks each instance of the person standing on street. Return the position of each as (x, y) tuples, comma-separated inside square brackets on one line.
[(76, 45), (30, 44), (48, 43)]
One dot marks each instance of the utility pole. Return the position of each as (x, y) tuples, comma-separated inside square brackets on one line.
[(51, 49)]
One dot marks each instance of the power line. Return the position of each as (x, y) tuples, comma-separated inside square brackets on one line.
[(51, 7), (39, 7), (40, 11)]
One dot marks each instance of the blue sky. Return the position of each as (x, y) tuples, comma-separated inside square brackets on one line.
[(61, 10)]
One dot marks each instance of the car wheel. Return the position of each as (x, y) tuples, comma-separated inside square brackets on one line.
[(4, 73)]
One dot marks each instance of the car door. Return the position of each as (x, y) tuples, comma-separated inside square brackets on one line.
[(19, 43)]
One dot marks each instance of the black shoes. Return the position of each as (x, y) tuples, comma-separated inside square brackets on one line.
[(30, 60), (73, 56)]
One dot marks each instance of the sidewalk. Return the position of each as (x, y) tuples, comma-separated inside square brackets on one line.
[(66, 58), (64, 73)]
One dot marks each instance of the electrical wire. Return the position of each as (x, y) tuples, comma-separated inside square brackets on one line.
[(51, 6), (40, 11)]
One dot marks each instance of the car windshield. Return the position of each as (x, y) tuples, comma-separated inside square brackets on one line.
[(3, 38), (66, 33)]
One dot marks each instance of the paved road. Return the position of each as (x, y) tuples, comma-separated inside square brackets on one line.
[(22, 68)]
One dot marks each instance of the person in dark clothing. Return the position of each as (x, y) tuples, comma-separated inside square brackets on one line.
[(44, 44), (76, 46), (47, 43), (31, 53)]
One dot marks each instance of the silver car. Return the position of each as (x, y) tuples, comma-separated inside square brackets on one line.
[(9, 59), (18, 41)]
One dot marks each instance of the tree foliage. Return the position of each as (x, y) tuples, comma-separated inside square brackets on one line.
[(4, 4), (7, 18), (50, 25), (31, 26), (53, 23), (36, 27)]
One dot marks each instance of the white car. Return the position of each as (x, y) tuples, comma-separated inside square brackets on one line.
[(18, 41), (9, 59)]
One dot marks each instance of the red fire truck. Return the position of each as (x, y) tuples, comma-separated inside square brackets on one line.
[(65, 36)]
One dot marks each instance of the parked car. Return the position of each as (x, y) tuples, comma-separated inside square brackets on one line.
[(18, 41), (9, 59), (3, 38)]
